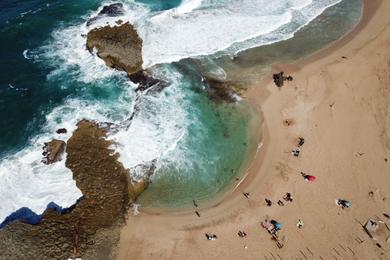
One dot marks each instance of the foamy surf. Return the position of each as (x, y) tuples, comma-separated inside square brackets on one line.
[(199, 28), (196, 28), (158, 125)]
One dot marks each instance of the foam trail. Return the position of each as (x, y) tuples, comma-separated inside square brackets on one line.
[(25, 52)]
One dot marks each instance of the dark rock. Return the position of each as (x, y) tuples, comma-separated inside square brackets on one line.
[(53, 151), (119, 46), (279, 79), (111, 10), (146, 81), (61, 131)]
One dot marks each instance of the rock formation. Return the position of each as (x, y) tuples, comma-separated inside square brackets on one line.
[(145, 81), (119, 46), (92, 228), (115, 9), (221, 90), (53, 151), (61, 131), (111, 10), (279, 79)]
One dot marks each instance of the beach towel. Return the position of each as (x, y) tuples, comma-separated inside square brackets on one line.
[(310, 178)]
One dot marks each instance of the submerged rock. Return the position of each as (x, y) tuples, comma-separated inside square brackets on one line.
[(221, 90), (140, 175), (119, 46), (115, 9), (111, 10), (145, 81), (53, 151)]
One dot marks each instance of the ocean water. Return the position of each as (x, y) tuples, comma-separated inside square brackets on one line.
[(48, 80)]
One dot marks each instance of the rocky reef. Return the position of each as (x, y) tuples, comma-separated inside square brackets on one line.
[(222, 90), (91, 228), (53, 151), (111, 10), (119, 46)]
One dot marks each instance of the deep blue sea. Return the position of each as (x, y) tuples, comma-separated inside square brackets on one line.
[(48, 80)]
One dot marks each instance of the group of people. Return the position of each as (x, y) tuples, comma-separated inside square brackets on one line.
[(272, 226), (287, 198), (297, 151)]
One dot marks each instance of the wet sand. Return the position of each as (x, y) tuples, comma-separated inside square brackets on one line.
[(339, 102)]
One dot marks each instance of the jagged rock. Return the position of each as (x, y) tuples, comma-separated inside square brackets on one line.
[(120, 47), (61, 131), (146, 81), (140, 175), (279, 79), (53, 151), (111, 10), (143, 171), (107, 194)]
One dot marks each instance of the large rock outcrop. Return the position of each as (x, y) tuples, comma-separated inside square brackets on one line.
[(119, 46), (90, 230)]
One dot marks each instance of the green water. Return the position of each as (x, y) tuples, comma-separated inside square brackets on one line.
[(213, 151)]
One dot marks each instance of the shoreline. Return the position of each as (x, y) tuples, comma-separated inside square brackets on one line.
[(246, 175), (233, 207)]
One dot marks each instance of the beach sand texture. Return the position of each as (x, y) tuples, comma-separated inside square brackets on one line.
[(339, 102)]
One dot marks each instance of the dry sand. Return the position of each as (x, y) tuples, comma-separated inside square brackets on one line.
[(341, 106)]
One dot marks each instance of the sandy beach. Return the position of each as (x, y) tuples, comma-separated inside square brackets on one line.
[(339, 101)]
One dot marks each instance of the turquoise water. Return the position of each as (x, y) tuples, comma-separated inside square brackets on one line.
[(48, 81), (208, 158)]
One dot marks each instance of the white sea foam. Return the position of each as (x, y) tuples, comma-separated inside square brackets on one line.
[(198, 28), (157, 127), (25, 52), (195, 28), (188, 6)]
